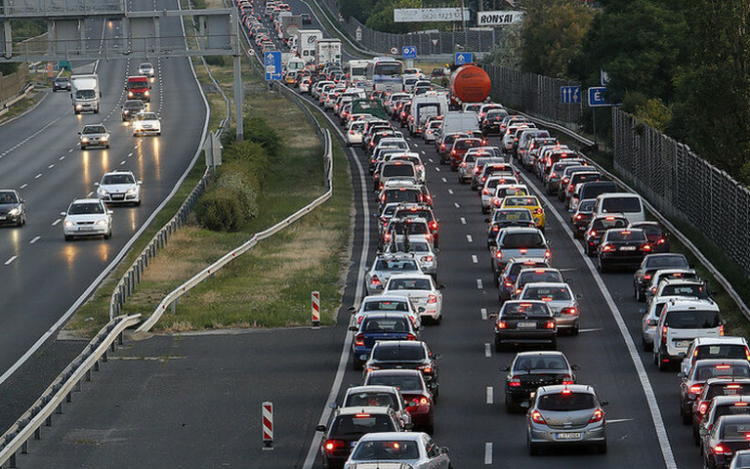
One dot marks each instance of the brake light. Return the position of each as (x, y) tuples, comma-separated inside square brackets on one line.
[(375, 281), (567, 380), (499, 255), (333, 445), (571, 311), (503, 325), (538, 211), (592, 233), (518, 291), (411, 336), (433, 225), (719, 449), (579, 217), (661, 241), (523, 250), (664, 334), (702, 408), (426, 369), (646, 248), (514, 382), (598, 416), (550, 325), (426, 259), (536, 416), (608, 248), (359, 341), (695, 389), (548, 254), (721, 329), (648, 277), (432, 299)]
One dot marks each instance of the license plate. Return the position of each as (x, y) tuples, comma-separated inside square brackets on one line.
[(85, 228), (627, 248), (526, 325), (682, 343), (730, 392), (567, 436)]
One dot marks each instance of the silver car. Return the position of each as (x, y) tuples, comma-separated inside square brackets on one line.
[(87, 217), (397, 450), (560, 299), (566, 414), (93, 135), (422, 249), (386, 265), (651, 320)]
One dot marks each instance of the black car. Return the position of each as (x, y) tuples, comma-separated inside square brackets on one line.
[(596, 229), (306, 19), (731, 433), (131, 108), (524, 323), (61, 83), (348, 426), (650, 264), (493, 121), (408, 355), (12, 208), (622, 247), (530, 370)]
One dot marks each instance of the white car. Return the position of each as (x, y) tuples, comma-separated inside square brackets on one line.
[(354, 132), (146, 69), (87, 217), (395, 450), (385, 304), (119, 187), (146, 123), (421, 290)]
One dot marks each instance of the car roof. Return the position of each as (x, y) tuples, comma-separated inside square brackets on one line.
[(720, 340), (414, 275), (368, 409), (540, 353), (558, 388), (385, 436)]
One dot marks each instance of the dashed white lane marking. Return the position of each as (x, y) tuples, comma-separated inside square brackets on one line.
[(450, 191), (590, 330), (35, 240), (488, 454), (62, 157), (38, 176), (469, 239), (51, 166), (24, 186), (70, 151), (416, 145), (10, 261), (619, 420), (487, 350), (474, 259), (437, 169), (456, 205), (130, 154), (424, 153), (491, 395), (56, 222), (463, 220), (479, 284), (483, 312), (430, 160), (445, 180), (122, 162)]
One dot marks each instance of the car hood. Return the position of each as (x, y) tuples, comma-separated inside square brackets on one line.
[(6, 207), (117, 187), (82, 218)]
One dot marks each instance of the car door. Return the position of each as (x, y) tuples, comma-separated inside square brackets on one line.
[(434, 458)]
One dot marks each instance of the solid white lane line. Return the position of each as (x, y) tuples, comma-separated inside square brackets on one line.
[(483, 312), (488, 453), (469, 239), (487, 350), (653, 405), (479, 284), (491, 395), (34, 240), (10, 261), (474, 259)]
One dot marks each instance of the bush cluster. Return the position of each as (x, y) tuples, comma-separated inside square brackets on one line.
[(215, 60)]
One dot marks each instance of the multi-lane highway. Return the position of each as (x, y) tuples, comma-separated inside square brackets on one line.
[(43, 276)]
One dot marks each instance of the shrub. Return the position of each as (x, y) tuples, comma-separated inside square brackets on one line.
[(215, 60), (256, 129), (223, 209)]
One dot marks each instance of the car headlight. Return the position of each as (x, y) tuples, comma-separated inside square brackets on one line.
[(14, 211), (84, 140), (103, 138), (146, 93), (79, 106), (130, 94), (131, 191), (69, 224), (101, 222), (102, 191)]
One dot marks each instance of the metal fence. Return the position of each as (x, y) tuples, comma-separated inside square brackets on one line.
[(683, 185), (12, 85), (427, 43)]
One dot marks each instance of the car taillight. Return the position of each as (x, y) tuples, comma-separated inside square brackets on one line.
[(486, 191), (523, 250), (571, 311), (567, 380), (592, 233), (661, 241), (536, 416), (721, 329), (695, 389), (333, 445), (431, 299), (433, 225), (499, 255), (702, 408), (646, 248), (538, 211), (427, 258), (463, 165), (425, 369), (579, 217), (442, 146), (664, 335), (496, 202), (504, 325), (548, 254), (608, 248), (550, 325), (719, 449), (375, 281), (411, 336), (598, 416), (514, 382), (359, 341)]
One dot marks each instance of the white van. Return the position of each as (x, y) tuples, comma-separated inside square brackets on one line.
[(682, 320), (423, 107), (459, 121), (629, 205)]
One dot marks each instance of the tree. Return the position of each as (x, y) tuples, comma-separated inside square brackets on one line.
[(552, 33)]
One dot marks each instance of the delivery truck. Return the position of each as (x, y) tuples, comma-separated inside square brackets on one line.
[(84, 93)]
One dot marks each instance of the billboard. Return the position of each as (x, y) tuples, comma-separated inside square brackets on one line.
[(425, 15), (498, 18)]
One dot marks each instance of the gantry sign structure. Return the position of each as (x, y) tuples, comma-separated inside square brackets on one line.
[(142, 35)]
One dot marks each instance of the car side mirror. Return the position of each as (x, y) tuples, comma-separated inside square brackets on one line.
[(63, 213), (321, 428), (332, 405), (353, 328), (352, 309), (680, 375), (579, 296), (575, 367), (437, 356), (604, 403), (441, 287), (642, 310), (444, 450), (79, 133), (504, 368)]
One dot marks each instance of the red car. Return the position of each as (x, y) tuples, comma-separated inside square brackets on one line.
[(411, 384), (459, 149)]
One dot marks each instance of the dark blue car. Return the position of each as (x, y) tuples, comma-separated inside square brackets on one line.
[(380, 326)]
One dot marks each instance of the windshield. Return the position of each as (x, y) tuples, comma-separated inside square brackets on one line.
[(387, 450), (396, 265), (661, 262), (736, 429), (615, 235), (93, 129), (521, 202), (514, 215), (398, 170), (387, 68), (703, 372), (118, 179), (147, 116), (386, 324), (566, 402), (85, 94), (137, 84), (79, 209)]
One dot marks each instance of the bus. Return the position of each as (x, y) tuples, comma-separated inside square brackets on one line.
[(356, 71), (385, 74)]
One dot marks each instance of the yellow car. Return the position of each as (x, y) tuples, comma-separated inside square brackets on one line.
[(527, 201)]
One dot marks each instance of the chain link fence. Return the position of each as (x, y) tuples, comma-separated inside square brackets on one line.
[(683, 185), (427, 42)]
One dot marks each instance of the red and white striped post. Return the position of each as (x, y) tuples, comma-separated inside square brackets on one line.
[(316, 309), (267, 425)]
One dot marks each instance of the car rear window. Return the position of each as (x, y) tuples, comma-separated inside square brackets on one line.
[(371, 398), (396, 265), (400, 352), (402, 382), (409, 284), (685, 290), (662, 262), (398, 195), (546, 293), (522, 240), (721, 351), (533, 276), (732, 409), (736, 430), (591, 191), (706, 371), (398, 170), (600, 223), (512, 215), (386, 306), (563, 401), (387, 324), (521, 202), (626, 236), (692, 319), (621, 205), (526, 309), (359, 424), (540, 363)]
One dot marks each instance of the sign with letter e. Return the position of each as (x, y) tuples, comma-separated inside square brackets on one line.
[(596, 97)]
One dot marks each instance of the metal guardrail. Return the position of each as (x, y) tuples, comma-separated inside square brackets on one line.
[(51, 400), (132, 276), (662, 219), (230, 256)]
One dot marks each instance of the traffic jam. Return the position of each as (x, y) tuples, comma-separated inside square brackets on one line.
[(404, 126)]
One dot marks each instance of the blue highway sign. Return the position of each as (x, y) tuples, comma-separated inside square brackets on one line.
[(596, 97), (409, 52), (273, 65), (463, 58), (570, 94)]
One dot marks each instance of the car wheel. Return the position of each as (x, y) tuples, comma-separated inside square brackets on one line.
[(83, 147), (68, 237), (660, 362), (687, 416)]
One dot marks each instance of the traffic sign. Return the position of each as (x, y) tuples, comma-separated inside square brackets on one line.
[(570, 94), (394, 51), (409, 52), (273, 65), (596, 97), (463, 58)]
